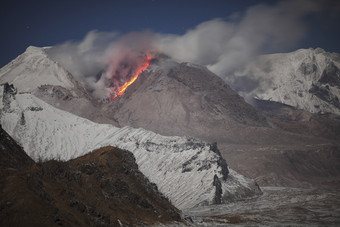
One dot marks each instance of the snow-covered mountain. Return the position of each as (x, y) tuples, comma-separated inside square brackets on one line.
[(188, 171), (35, 72), (307, 79), (34, 68)]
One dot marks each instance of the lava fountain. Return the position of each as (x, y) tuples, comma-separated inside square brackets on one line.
[(121, 89)]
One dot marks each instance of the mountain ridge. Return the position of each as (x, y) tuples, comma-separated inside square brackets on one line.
[(103, 188), (46, 133)]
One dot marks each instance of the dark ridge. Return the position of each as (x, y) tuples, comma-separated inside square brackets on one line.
[(11, 154), (221, 161)]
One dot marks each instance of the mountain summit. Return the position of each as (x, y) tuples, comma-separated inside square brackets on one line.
[(307, 79), (33, 69)]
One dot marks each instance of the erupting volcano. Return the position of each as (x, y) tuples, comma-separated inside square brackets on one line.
[(121, 89)]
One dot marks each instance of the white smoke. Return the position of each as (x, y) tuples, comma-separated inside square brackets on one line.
[(222, 45), (226, 45)]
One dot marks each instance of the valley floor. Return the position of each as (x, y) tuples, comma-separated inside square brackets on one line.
[(277, 206)]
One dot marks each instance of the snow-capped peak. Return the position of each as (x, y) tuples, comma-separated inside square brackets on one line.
[(307, 79), (34, 68)]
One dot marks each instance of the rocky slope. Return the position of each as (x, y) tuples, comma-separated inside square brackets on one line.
[(299, 121), (188, 171), (183, 99), (102, 188), (307, 79)]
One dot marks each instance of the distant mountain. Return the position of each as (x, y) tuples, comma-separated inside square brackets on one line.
[(188, 171), (307, 79), (103, 188)]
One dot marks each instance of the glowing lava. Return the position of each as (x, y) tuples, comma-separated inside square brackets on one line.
[(120, 90)]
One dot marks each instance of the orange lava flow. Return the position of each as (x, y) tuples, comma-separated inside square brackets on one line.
[(120, 91)]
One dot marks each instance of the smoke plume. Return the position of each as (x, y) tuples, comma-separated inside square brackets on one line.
[(222, 45)]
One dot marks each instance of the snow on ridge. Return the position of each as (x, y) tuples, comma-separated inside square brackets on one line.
[(186, 170)]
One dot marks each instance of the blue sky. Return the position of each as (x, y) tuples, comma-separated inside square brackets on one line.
[(46, 23)]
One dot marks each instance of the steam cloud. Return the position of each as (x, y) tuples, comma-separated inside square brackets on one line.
[(222, 45)]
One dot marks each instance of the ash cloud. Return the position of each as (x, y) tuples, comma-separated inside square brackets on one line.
[(103, 60), (224, 46)]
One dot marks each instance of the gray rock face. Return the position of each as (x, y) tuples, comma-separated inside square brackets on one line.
[(323, 93), (8, 92), (331, 75), (308, 68)]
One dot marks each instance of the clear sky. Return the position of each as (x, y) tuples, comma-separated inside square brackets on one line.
[(46, 23)]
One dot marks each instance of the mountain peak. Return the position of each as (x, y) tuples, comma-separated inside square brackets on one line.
[(307, 79), (319, 50), (34, 49), (33, 69)]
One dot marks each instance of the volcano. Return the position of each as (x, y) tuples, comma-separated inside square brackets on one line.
[(174, 98), (182, 99)]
